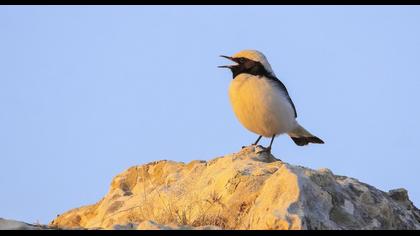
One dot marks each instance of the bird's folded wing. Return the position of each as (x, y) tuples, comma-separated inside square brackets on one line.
[(283, 88)]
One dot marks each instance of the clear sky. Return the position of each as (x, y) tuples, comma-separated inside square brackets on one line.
[(87, 92)]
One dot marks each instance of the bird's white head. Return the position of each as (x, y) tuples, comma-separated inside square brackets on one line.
[(249, 61)]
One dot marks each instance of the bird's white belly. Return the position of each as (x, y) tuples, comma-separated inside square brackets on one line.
[(261, 106)]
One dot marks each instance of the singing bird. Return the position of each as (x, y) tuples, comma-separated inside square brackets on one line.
[(261, 102)]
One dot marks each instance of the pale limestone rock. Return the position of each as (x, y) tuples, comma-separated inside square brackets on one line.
[(246, 190), (151, 225), (18, 225)]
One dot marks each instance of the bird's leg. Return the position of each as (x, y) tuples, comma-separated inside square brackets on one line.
[(256, 142), (271, 143)]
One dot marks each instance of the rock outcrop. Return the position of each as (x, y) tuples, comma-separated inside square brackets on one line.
[(246, 190), (6, 224)]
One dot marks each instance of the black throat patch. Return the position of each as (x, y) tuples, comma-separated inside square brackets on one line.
[(250, 67)]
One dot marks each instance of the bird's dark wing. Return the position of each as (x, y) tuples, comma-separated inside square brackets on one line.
[(283, 88)]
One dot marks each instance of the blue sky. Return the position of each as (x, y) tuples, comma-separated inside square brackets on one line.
[(88, 91)]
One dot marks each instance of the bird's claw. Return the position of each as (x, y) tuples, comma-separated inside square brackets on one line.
[(262, 149)]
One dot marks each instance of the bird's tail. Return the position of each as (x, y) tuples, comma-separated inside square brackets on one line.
[(302, 137)]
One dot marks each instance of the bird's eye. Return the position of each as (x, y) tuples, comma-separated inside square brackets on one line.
[(241, 60)]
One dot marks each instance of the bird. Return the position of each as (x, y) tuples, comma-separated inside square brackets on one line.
[(261, 102)]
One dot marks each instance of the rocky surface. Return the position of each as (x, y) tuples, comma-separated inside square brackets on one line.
[(246, 190), (145, 225), (6, 224)]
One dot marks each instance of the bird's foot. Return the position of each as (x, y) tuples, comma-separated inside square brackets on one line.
[(268, 150), (255, 145), (260, 149)]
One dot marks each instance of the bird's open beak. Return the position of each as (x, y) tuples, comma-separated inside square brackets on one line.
[(228, 66)]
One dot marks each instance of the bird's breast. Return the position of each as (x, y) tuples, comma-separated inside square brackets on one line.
[(260, 106)]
